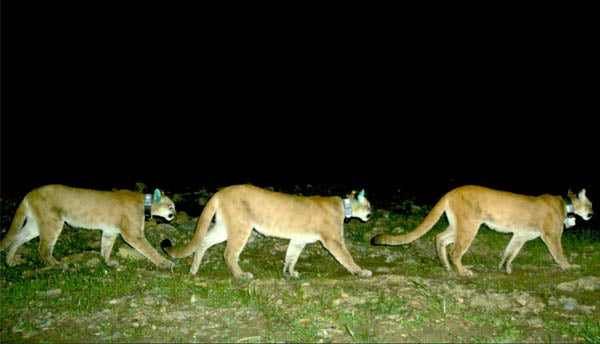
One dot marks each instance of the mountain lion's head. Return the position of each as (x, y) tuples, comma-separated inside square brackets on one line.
[(361, 207)]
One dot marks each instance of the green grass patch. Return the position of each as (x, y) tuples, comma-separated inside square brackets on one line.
[(409, 298)]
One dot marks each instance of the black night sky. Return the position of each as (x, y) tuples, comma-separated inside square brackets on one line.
[(104, 99)]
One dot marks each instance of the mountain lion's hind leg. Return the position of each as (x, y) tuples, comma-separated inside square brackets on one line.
[(512, 249), (28, 232), (442, 240), (50, 229), (235, 245), (215, 235), (291, 257), (465, 233)]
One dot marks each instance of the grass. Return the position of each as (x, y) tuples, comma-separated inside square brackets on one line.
[(413, 300)]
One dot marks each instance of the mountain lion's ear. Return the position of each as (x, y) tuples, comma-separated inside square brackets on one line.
[(581, 194), (361, 194), (157, 195)]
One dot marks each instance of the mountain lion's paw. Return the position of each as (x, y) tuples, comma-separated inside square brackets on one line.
[(112, 263), (167, 265), (364, 273), (245, 276)]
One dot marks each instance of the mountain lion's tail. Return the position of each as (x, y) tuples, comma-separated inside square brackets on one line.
[(16, 225), (201, 228), (424, 227)]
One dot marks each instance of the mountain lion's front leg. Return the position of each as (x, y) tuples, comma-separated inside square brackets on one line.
[(340, 252), (554, 244), (106, 246), (139, 242)]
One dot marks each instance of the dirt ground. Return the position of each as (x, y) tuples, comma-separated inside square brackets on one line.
[(409, 298), (410, 277)]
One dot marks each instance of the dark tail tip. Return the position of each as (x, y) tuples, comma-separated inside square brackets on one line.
[(374, 240), (165, 244)]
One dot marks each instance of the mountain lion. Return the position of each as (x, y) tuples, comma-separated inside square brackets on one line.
[(527, 217), (44, 211), (238, 209)]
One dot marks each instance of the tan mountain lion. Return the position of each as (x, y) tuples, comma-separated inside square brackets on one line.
[(43, 212), (527, 217), (238, 209)]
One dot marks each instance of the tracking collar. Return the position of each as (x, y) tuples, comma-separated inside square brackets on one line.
[(570, 219), (148, 207), (347, 207)]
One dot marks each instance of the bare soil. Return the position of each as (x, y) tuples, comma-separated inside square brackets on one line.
[(410, 296)]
